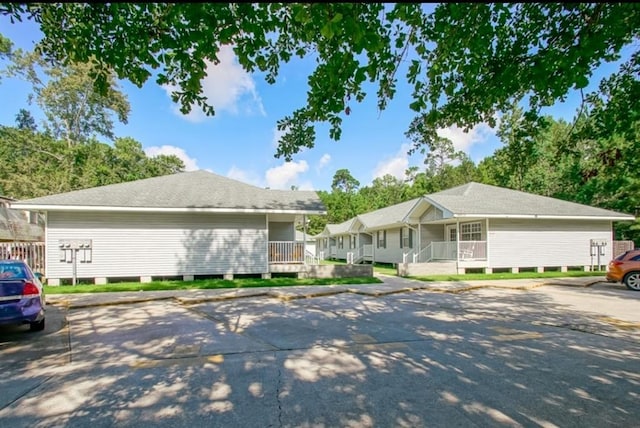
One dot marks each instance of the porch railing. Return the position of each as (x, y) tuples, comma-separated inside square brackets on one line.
[(446, 250), (361, 253), (286, 252), (473, 250), (31, 252)]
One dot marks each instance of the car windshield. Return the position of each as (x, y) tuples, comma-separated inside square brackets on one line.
[(12, 270)]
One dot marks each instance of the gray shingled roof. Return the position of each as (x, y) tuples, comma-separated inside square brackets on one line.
[(196, 189), (391, 215), (339, 229), (482, 199)]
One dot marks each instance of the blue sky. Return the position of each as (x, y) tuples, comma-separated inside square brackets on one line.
[(240, 140)]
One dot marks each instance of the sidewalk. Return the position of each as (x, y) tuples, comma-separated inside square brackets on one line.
[(391, 285)]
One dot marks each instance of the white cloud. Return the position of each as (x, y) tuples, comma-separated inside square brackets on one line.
[(226, 86), (190, 164), (395, 165), (464, 140), (285, 175), (245, 176), (324, 161)]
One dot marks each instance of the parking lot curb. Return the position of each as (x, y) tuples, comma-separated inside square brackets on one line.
[(287, 294)]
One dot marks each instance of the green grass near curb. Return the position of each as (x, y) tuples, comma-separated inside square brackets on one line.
[(205, 284), (508, 275)]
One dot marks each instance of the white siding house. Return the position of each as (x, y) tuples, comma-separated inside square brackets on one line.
[(477, 226), (183, 225)]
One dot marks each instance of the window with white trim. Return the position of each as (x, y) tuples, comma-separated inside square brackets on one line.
[(406, 238), (382, 239), (471, 231), (340, 242), (353, 241)]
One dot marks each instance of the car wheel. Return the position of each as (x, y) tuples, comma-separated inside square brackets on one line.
[(37, 326), (632, 281)]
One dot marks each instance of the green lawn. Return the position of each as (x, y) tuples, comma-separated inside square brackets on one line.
[(209, 284)]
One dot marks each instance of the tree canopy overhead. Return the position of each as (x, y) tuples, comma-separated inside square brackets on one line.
[(466, 61)]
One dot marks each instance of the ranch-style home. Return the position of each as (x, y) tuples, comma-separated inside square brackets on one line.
[(476, 227), (184, 226)]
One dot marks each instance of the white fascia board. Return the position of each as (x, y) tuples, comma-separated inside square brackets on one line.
[(162, 210), (546, 217), (385, 226)]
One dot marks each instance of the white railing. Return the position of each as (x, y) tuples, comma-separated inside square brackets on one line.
[(286, 252), (31, 252), (321, 255), (350, 257), (361, 253), (473, 250), (423, 255), (311, 259), (466, 250), (443, 250), (409, 256)]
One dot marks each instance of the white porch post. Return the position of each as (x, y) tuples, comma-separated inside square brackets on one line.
[(304, 239), (457, 243), (419, 236), (266, 219), (486, 240)]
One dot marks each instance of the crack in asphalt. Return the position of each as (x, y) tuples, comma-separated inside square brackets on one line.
[(26, 392)]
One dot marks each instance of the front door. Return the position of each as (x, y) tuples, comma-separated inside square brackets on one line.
[(451, 236)]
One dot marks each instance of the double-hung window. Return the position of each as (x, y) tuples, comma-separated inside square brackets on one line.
[(471, 231)]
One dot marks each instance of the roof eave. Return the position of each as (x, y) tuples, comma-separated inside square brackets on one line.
[(547, 217), (86, 208)]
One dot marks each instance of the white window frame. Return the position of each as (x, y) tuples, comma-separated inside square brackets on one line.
[(471, 231)]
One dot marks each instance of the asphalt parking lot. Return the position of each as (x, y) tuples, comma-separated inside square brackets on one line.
[(539, 356)]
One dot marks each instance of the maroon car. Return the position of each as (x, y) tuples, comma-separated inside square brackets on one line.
[(21, 295)]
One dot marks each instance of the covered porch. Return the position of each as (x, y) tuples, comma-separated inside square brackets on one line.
[(283, 249)]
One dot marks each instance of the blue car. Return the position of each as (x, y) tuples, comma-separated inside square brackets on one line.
[(21, 295)]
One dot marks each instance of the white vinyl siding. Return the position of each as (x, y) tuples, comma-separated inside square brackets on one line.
[(430, 233), (342, 246), (531, 243), (392, 253), (136, 244)]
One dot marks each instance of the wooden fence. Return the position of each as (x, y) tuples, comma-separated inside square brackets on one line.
[(31, 252)]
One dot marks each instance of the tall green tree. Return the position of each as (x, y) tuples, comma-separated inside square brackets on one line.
[(36, 164), (465, 61), (383, 191), (74, 110), (24, 120)]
